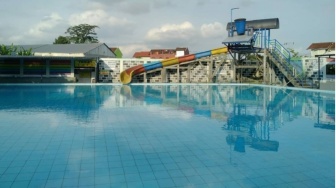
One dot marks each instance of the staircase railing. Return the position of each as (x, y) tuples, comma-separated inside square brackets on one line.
[(283, 56)]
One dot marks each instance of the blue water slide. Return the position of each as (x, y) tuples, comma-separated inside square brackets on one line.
[(202, 54), (152, 65)]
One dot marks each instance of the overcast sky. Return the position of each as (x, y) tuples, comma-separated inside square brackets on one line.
[(139, 25)]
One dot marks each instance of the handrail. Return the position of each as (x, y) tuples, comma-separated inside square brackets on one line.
[(278, 47), (280, 53)]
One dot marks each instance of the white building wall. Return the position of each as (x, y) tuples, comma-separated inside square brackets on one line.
[(321, 52), (179, 53)]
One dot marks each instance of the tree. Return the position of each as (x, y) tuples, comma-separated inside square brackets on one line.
[(7, 50), (62, 40), (24, 52), (83, 33), (293, 52)]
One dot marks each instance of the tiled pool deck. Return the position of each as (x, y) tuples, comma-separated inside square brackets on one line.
[(104, 136)]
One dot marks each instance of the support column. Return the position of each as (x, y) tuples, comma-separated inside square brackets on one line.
[(72, 68), (21, 66), (178, 73), (188, 73), (163, 75), (210, 65), (233, 64), (145, 77), (264, 63), (47, 68)]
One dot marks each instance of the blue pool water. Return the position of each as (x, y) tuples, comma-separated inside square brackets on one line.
[(166, 136)]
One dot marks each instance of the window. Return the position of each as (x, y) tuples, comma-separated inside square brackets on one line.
[(330, 69)]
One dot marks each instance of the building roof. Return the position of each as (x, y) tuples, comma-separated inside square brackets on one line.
[(322, 45), (141, 54), (85, 49), (61, 48)]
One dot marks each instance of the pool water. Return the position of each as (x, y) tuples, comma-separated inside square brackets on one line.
[(166, 136)]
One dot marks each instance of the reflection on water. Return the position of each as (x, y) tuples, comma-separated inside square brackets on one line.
[(248, 113)]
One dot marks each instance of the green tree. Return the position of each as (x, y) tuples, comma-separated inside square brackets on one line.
[(293, 52), (62, 40), (24, 52), (83, 33), (7, 50)]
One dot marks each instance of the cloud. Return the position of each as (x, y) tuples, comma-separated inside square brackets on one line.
[(97, 17), (110, 27), (44, 31), (172, 34), (45, 25), (212, 30), (133, 7), (129, 50)]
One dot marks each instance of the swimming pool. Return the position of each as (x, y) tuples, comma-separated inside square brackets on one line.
[(166, 136)]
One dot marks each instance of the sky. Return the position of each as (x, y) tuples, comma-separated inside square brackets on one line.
[(141, 25)]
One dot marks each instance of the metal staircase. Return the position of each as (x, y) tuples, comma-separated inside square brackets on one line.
[(280, 57)]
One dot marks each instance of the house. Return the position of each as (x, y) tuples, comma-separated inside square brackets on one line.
[(320, 67), (162, 53), (117, 52), (321, 48)]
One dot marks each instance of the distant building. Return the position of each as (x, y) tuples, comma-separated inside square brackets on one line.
[(162, 53), (321, 48), (142, 55), (323, 69), (117, 52)]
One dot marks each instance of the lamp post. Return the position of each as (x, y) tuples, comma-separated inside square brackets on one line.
[(231, 28)]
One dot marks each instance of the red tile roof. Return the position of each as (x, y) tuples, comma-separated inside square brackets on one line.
[(322, 45), (141, 54)]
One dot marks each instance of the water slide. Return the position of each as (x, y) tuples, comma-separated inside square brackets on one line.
[(126, 75)]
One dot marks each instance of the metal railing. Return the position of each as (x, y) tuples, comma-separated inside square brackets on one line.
[(283, 56)]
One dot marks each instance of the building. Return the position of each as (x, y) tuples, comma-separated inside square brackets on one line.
[(162, 53), (54, 63), (117, 52), (321, 48), (142, 55), (320, 67)]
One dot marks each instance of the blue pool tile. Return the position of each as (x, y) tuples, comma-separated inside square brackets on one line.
[(135, 184), (86, 181), (54, 175), (166, 183), (144, 168), (13, 170), (176, 173), (8, 177), (116, 171), (158, 167), (132, 177), (117, 178), (180, 181), (145, 176), (130, 169), (102, 180), (24, 176), (37, 183), (189, 171), (150, 184), (19, 184), (73, 182), (52, 183), (161, 174)]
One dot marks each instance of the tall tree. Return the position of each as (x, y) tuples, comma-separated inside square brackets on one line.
[(62, 40), (83, 33)]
